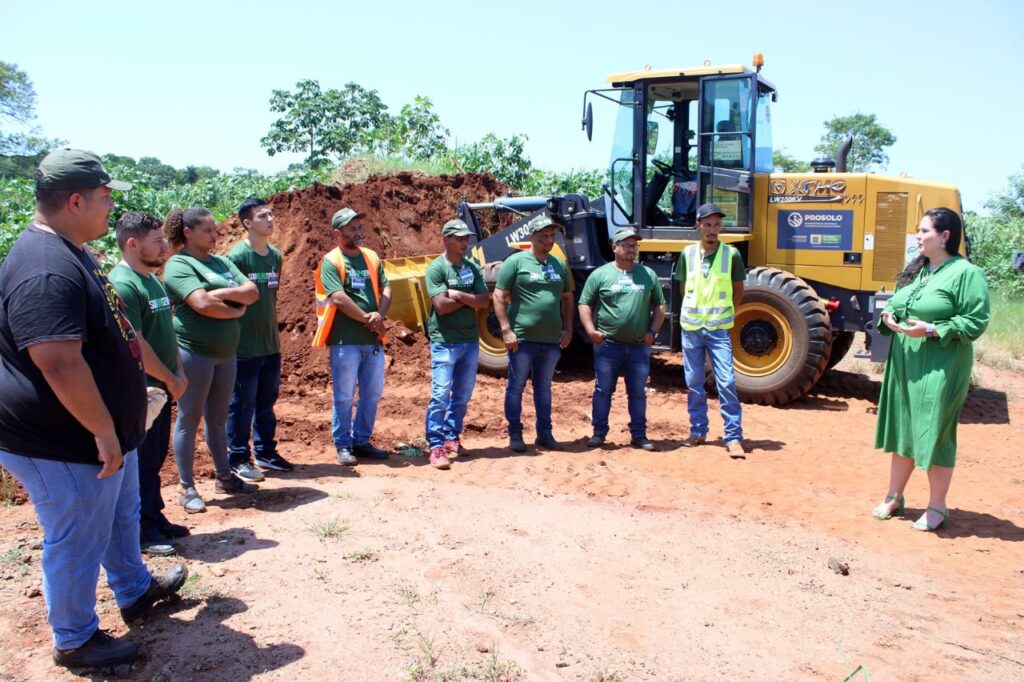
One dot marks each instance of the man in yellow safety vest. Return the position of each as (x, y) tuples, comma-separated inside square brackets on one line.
[(710, 275)]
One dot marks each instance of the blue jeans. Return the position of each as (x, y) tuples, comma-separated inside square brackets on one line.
[(452, 378), (210, 381), (612, 359), (534, 361), (87, 522), (152, 454), (717, 344), (351, 365), (257, 384)]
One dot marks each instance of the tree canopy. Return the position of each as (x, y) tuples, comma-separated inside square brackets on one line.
[(870, 139)]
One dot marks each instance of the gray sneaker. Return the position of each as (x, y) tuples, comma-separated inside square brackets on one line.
[(247, 472), (191, 501)]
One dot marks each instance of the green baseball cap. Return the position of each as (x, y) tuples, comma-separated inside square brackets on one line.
[(74, 169), (343, 218), (455, 228), (624, 233), (538, 223)]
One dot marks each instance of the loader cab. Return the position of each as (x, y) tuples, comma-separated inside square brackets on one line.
[(684, 137)]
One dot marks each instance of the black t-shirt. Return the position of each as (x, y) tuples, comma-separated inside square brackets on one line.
[(51, 290)]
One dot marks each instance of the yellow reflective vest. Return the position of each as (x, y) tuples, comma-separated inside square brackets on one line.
[(707, 300)]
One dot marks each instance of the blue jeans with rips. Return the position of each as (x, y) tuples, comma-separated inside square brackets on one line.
[(257, 385), (717, 344), (611, 360), (534, 361), (87, 522), (452, 379), (361, 364)]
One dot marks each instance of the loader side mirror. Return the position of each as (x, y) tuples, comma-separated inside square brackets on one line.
[(588, 121)]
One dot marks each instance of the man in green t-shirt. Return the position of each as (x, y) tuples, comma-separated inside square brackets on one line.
[(361, 299), (710, 275), (622, 309), (456, 289), (534, 305), (258, 373), (140, 237)]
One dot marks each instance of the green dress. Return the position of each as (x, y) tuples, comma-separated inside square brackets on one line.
[(926, 379)]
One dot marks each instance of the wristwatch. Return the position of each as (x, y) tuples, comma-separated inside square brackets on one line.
[(929, 330)]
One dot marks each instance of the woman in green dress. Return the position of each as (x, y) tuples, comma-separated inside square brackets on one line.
[(939, 308)]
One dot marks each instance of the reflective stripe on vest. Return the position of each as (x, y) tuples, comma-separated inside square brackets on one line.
[(707, 301), (325, 310)]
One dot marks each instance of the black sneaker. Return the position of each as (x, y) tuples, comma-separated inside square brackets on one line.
[(99, 651), (160, 587), (233, 485), (548, 443), (173, 530), (247, 472), (274, 462), (642, 443), (158, 548), (595, 441), (367, 451)]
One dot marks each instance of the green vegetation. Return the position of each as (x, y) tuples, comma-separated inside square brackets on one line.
[(330, 529), (1002, 344), (870, 138)]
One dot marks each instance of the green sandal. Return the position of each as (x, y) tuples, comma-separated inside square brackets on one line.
[(922, 523), (880, 512)]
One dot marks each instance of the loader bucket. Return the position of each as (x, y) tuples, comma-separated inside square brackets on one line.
[(409, 300)]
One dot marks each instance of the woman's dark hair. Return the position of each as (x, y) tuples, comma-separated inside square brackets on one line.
[(943, 219), (178, 219)]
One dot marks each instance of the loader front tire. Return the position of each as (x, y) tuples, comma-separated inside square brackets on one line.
[(782, 338)]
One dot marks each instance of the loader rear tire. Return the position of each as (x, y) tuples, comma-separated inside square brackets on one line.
[(782, 338), (841, 344), (493, 357)]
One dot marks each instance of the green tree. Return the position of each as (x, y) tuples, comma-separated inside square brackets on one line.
[(505, 159), (870, 139), (785, 163), (326, 123), (416, 134), (994, 238), (24, 147)]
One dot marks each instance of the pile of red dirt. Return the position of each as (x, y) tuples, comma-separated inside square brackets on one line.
[(403, 215)]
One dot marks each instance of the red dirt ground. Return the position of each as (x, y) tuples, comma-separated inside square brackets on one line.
[(609, 564)]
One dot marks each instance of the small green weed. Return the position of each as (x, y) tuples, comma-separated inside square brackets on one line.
[(606, 676), (498, 670), (361, 555), (330, 529)]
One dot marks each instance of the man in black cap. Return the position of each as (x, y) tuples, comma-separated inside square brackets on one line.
[(73, 411), (710, 276)]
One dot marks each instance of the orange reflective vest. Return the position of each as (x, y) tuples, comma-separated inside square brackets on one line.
[(325, 310)]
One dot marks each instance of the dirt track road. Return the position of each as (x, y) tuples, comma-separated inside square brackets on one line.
[(674, 565)]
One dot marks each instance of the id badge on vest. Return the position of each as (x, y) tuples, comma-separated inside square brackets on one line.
[(272, 280), (466, 276), (358, 282)]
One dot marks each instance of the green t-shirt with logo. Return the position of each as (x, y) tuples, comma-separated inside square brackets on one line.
[(622, 301), (536, 288), (259, 335), (458, 326), (197, 333), (149, 310), (357, 286)]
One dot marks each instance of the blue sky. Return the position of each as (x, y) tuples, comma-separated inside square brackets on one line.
[(189, 82)]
